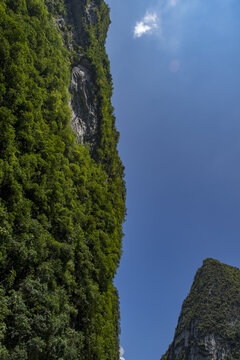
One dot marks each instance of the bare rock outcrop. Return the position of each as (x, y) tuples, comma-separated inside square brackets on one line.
[(84, 117), (73, 27)]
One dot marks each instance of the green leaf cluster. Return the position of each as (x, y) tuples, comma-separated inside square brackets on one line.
[(61, 208)]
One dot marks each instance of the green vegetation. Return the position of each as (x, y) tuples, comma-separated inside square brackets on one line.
[(61, 209), (212, 308), (214, 301)]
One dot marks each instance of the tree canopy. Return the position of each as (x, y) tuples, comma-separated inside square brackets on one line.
[(61, 208)]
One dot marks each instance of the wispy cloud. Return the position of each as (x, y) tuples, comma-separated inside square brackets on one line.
[(147, 25), (172, 3), (121, 351), (166, 21)]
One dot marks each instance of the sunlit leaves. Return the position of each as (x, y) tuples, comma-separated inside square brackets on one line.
[(61, 209)]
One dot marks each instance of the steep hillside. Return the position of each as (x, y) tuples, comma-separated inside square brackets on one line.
[(209, 324), (62, 194)]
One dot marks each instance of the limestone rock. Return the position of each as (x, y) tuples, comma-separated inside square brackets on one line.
[(209, 324), (83, 104), (84, 109)]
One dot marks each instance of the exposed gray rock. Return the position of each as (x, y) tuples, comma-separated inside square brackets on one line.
[(84, 109), (209, 323), (190, 345), (91, 11), (84, 118)]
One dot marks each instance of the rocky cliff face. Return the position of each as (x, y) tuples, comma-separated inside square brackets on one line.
[(84, 117), (83, 103), (192, 345), (75, 25), (209, 324)]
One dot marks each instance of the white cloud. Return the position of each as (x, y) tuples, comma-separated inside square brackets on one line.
[(167, 21), (121, 351), (141, 29), (147, 25), (172, 3)]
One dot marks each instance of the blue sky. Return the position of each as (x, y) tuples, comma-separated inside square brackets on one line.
[(176, 74)]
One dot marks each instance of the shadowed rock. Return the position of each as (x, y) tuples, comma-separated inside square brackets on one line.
[(84, 110)]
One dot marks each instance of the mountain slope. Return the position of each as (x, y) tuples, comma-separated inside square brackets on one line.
[(209, 323), (62, 193)]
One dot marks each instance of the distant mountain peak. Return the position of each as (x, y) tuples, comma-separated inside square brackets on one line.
[(209, 323)]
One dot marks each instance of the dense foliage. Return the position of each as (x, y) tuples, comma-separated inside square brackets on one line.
[(212, 308), (61, 209)]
